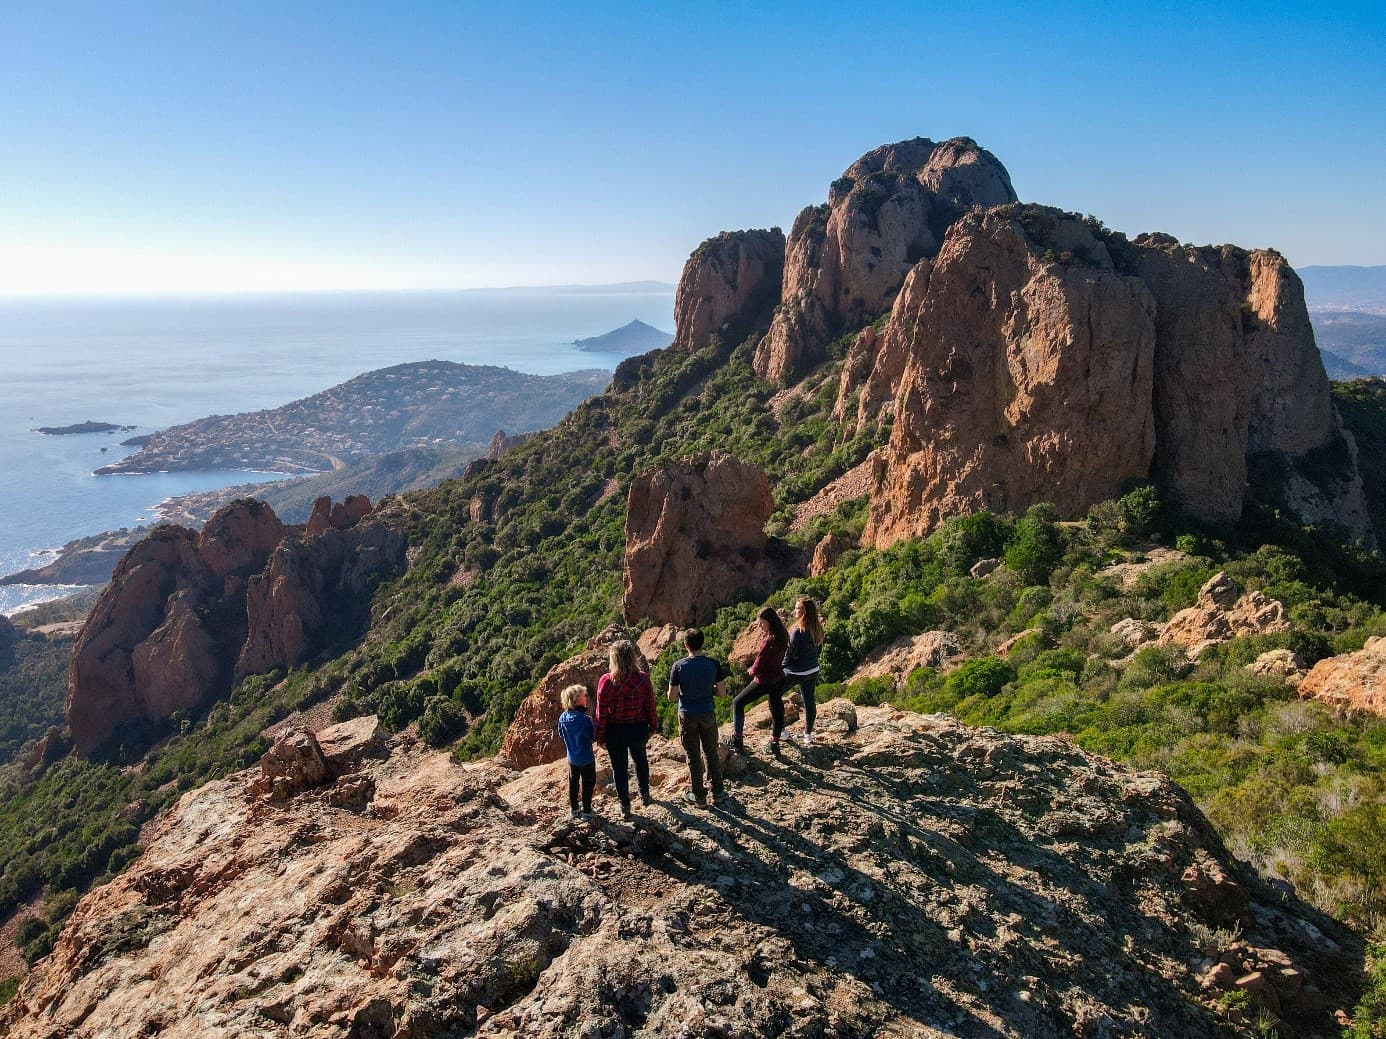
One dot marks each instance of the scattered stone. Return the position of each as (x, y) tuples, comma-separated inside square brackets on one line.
[(1220, 613)]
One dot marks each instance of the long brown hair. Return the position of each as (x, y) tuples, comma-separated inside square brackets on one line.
[(772, 621), (623, 658), (810, 622)]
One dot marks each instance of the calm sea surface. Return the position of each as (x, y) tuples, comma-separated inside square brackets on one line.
[(155, 363)]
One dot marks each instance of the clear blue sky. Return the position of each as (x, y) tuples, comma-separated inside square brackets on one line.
[(191, 146)]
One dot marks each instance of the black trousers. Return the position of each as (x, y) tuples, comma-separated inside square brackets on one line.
[(625, 742), (586, 775), (752, 693), (808, 683)]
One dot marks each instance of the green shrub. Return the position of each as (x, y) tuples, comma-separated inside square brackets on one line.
[(1036, 547), (986, 676)]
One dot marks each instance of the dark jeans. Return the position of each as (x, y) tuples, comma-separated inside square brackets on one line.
[(625, 741), (587, 776), (808, 683), (698, 734), (752, 693)]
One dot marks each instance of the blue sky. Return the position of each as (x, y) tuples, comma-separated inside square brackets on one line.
[(198, 146)]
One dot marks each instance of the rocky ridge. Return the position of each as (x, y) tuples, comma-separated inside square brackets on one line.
[(906, 877), (186, 613)]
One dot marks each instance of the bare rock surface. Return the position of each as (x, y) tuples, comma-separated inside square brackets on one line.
[(695, 538), (940, 650), (844, 261), (855, 483), (1351, 681), (727, 285), (1027, 379), (826, 553), (186, 613), (1222, 612), (906, 876), (1284, 664)]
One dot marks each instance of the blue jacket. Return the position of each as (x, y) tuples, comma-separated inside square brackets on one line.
[(578, 731), (801, 656)]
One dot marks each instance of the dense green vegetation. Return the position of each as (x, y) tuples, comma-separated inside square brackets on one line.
[(33, 682)]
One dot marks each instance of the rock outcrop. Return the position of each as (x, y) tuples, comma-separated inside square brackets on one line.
[(1221, 612), (728, 287), (1026, 379), (844, 261), (695, 538), (181, 608), (532, 737), (1284, 664), (940, 650), (906, 876), (342, 516), (1040, 357), (1351, 681)]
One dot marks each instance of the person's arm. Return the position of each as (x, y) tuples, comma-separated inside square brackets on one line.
[(598, 719), (651, 713), (719, 684), (673, 693)]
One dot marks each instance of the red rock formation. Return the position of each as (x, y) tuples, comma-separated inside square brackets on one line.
[(532, 738), (1028, 379), (1351, 681), (1220, 613), (695, 538), (1041, 359), (844, 261), (313, 592), (166, 632), (728, 284), (826, 553)]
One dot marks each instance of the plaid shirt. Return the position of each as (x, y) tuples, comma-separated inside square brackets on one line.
[(629, 699)]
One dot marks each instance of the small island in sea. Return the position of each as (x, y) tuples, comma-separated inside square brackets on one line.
[(634, 338), (89, 426)]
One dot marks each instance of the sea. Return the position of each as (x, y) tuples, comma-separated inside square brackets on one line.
[(153, 363)]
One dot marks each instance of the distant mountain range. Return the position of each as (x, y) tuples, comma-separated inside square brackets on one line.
[(653, 288), (1348, 308)]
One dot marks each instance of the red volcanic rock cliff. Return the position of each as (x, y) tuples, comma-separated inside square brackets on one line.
[(167, 632), (727, 284)]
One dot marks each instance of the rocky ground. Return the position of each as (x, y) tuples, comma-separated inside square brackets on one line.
[(906, 876)]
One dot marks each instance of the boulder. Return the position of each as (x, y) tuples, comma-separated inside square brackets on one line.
[(653, 641), (293, 763), (1134, 633), (728, 286), (532, 737), (940, 650), (826, 553), (695, 538), (1351, 681), (1283, 664), (844, 261), (1221, 612), (345, 745)]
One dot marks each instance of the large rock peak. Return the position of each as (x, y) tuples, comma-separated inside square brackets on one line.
[(728, 286), (845, 260), (695, 537), (186, 613), (1040, 357)]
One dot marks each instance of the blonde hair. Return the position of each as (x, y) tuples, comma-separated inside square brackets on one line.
[(810, 622), (570, 695), (623, 658)]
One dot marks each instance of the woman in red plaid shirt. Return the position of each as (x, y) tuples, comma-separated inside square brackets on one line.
[(625, 717)]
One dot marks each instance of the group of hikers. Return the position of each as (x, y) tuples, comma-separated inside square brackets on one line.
[(624, 715)]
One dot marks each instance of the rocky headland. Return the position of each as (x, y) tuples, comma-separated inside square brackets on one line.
[(427, 404), (907, 877), (634, 338), (89, 426)]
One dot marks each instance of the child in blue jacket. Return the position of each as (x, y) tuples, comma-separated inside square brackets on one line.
[(578, 732)]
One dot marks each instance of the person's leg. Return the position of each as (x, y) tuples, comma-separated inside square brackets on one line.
[(690, 737), (740, 702), (776, 693), (639, 738), (574, 771), (589, 783), (809, 684), (707, 732), (619, 750)]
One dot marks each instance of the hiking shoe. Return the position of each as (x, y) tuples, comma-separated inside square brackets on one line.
[(773, 746), (807, 739), (625, 811), (574, 815), (646, 799), (692, 798)]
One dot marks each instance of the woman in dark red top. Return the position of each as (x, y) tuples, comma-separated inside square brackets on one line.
[(625, 717), (767, 679)]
